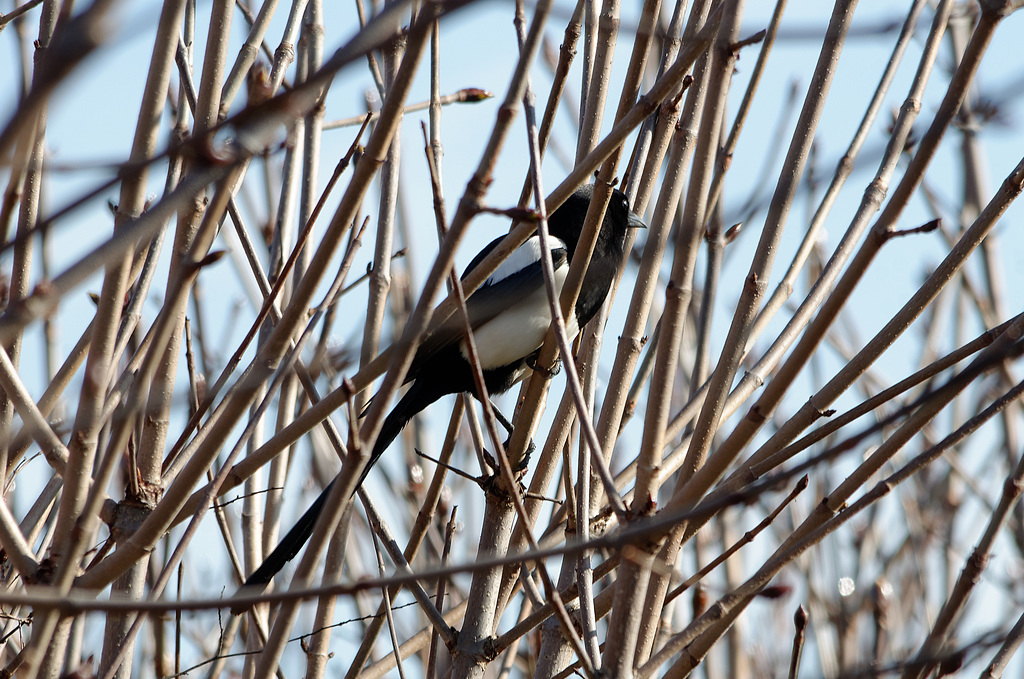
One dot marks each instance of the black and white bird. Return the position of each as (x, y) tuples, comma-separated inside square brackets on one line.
[(510, 317)]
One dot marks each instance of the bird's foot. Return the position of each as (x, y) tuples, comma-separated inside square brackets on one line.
[(519, 467), (524, 462), (556, 368)]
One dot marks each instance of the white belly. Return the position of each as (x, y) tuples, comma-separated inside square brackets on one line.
[(520, 330)]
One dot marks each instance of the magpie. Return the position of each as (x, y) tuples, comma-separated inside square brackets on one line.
[(510, 317)]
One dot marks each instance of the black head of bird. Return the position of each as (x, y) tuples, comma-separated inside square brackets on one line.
[(566, 224)]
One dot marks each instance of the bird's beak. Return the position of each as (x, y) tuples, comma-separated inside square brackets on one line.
[(636, 222)]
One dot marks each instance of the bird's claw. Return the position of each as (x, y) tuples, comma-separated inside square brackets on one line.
[(524, 461), (555, 368), (521, 465)]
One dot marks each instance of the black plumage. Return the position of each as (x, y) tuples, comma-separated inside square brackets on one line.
[(510, 316)]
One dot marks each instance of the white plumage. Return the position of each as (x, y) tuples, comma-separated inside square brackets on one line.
[(523, 256), (520, 330)]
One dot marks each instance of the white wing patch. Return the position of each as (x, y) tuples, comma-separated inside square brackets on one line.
[(526, 254), (520, 330)]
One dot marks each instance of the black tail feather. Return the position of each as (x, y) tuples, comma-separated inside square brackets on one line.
[(290, 544), (415, 399)]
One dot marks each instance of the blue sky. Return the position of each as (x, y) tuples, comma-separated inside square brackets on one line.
[(92, 118)]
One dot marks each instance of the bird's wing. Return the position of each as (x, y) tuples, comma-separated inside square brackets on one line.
[(519, 276)]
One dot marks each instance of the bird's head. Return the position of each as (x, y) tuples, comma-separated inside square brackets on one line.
[(566, 222)]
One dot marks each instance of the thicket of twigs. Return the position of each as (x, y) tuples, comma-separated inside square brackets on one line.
[(724, 481)]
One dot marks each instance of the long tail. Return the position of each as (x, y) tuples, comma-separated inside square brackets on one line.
[(289, 545), (416, 399)]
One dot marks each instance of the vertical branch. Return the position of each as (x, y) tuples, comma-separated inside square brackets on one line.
[(871, 201), (760, 268), (873, 196), (597, 71), (130, 206), (26, 179), (285, 52), (319, 645), (683, 138), (247, 54), (881, 232), (632, 612), (380, 275)]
